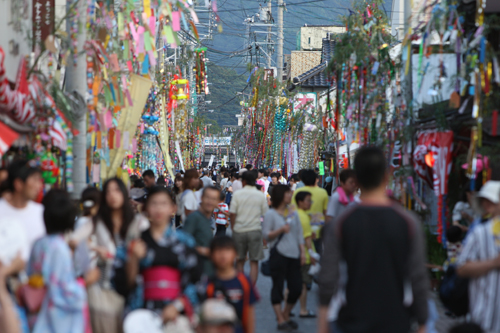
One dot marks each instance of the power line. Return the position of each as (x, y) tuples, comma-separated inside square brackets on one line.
[(256, 8)]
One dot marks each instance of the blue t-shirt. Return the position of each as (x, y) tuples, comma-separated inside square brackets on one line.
[(234, 292)]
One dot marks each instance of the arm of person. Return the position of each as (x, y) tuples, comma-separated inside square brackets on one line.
[(250, 320), (475, 269), (137, 251), (232, 217), (302, 254), (203, 251), (17, 265), (308, 246), (233, 209), (329, 275), (325, 203), (468, 263), (9, 322), (419, 278)]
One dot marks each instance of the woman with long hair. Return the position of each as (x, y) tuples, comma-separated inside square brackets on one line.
[(166, 259), (190, 184), (116, 227), (283, 230), (178, 193)]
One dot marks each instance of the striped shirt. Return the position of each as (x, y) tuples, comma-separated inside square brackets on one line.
[(484, 291), (221, 218)]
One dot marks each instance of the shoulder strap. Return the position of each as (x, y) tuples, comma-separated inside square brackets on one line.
[(246, 299), (210, 290)]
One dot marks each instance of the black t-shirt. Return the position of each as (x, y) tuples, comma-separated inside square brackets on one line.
[(381, 254)]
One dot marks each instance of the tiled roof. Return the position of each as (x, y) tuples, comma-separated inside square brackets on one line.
[(316, 77)]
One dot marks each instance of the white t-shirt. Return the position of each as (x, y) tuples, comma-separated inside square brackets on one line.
[(266, 184), (31, 218), (189, 202), (237, 185)]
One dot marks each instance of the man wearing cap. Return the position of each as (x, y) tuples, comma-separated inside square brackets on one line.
[(480, 262), (487, 200)]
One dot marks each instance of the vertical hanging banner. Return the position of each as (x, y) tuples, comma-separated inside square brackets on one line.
[(43, 20)]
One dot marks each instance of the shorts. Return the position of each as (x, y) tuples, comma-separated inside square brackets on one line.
[(306, 278), (249, 242)]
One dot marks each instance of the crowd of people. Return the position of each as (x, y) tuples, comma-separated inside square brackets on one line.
[(176, 249)]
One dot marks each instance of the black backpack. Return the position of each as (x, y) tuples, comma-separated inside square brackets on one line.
[(454, 292)]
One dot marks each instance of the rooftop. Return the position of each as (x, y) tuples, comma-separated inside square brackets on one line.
[(316, 77)]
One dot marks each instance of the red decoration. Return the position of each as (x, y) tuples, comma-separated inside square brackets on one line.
[(435, 148), (7, 137), (18, 101)]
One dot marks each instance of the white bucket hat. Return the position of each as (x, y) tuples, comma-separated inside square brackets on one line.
[(490, 191)]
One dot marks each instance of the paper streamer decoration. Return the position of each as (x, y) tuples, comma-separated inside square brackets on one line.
[(129, 118), (179, 155), (164, 140)]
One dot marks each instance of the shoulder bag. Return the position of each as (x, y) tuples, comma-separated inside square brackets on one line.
[(265, 266)]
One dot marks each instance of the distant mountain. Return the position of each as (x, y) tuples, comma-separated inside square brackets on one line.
[(234, 37), (224, 83)]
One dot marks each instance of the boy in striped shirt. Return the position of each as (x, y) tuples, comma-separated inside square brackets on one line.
[(221, 216)]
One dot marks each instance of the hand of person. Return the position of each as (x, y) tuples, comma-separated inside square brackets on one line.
[(302, 259), (3, 274), (169, 313), (422, 329), (466, 216), (72, 244), (313, 261), (102, 252), (139, 249), (285, 229)]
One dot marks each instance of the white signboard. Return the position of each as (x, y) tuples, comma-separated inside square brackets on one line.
[(218, 141), (307, 102), (211, 160)]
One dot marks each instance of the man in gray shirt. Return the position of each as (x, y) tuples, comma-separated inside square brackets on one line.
[(343, 195), (207, 181)]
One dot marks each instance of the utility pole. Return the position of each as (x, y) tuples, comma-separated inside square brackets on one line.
[(76, 81), (408, 91), (269, 30), (279, 62)]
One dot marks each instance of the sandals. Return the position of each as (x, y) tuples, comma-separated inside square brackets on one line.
[(309, 314), (285, 327)]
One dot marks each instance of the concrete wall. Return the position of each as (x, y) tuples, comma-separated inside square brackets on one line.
[(15, 26), (311, 38), (16, 29)]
